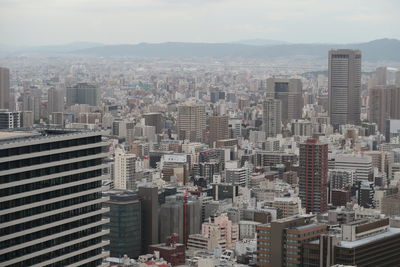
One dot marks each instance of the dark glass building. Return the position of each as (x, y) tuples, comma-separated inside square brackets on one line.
[(125, 223), (50, 198)]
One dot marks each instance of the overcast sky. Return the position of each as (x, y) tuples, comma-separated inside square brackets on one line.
[(38, 22)]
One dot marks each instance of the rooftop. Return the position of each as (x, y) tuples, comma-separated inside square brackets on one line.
[(352, 244)]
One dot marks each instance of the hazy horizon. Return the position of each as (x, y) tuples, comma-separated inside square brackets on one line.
[(49, 22)]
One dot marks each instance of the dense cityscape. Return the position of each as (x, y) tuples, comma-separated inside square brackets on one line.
[(233, 160)]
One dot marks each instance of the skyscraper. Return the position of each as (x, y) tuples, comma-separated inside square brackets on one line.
[(219, 128), (4, 88), (191, 122), (125, 169), (55, 100), (313, 175), (125, 223), (289, 92), (83, 93), (51, 200), (384, 104), (150, 208), (154, 119), (344, 82), (272, 117)]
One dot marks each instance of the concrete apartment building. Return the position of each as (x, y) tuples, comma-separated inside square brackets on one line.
[(313, 176), (4, 88)]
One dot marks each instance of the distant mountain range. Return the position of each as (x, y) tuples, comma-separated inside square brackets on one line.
[(377, 50), (262, 42)]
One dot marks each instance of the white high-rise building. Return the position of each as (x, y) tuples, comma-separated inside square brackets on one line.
[(124, 170), (361, 164)]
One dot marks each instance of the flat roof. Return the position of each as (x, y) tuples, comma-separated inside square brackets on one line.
[(16, 134), (370, 239)]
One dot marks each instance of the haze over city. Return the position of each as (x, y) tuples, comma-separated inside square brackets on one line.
[(45, 22), (200, 133)]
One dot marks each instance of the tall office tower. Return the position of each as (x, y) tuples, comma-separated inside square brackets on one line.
[(172, 219), (55, 100), (51, 200), (154, 119), (191, 122), (26, 119), (344, 82), (124, 170), (83, 93), (384, 104), (279, 243), (10, 120), (397, 78), (272, 117), (125, 223), (313, 176), (4, 88), (219, 128), (150, 207), (380, 76), (289, 92), (31, 102)]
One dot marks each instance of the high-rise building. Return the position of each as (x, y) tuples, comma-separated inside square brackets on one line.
[(383, 105), (125, 223), (150, 207), (124, 170), (271, 117), (289, 92), (10, 120), (4, 88), (154, 119), (361, 164), (368, 243), (313, 176), (55, 100), (280, 242), (380, 76), (344, 82), (191, 122), (237, 176), (51, 200), (83, 93), (219, 128)]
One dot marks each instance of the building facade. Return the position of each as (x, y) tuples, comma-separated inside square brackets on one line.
[(344, 85), (51, 198)]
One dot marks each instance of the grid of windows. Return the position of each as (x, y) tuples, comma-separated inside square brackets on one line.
[(24, 224)]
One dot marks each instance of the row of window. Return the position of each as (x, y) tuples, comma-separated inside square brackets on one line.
[(48, 207), (54, 230), (48, 146), (48, 183), (48, 244), (80, 257), (60, 252), (48, 158), (49, 195), (18, 176)]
